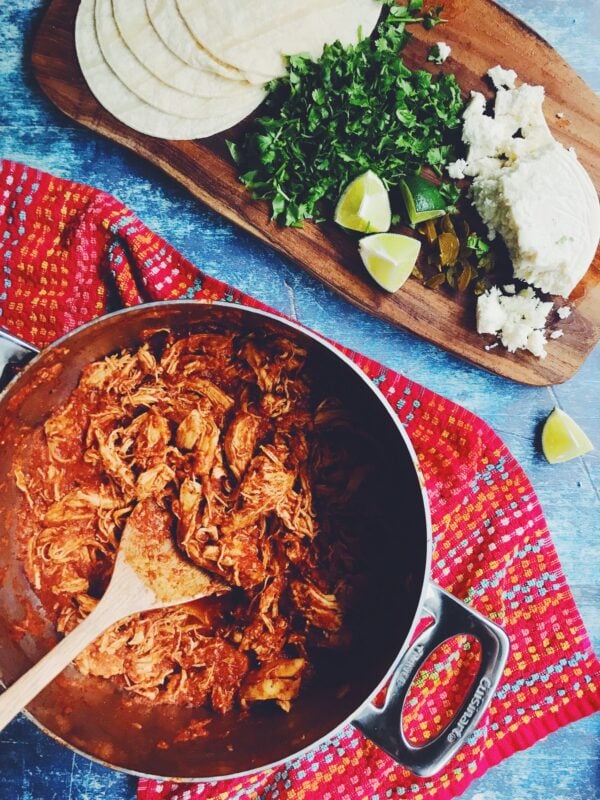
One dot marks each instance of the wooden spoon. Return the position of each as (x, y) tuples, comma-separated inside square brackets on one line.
[(149, 573)]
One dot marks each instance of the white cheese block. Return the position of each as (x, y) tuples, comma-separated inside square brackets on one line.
[(546, 209), (518, 128), (529, 188)]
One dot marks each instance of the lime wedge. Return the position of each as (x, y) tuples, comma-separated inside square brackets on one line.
[(563, 439), (389, 258), (422, 199), (364, 205)]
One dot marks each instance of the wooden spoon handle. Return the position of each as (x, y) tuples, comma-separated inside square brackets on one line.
[(17, 696)]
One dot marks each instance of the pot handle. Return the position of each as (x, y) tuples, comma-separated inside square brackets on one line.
[(14, 354), (384, 726)]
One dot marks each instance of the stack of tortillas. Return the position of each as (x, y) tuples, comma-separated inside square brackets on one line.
[(185, 69)]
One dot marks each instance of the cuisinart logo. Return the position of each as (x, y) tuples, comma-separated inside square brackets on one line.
[(470, 710), (410, 662)]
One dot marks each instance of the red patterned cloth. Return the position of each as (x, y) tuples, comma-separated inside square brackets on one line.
[(69, 253)]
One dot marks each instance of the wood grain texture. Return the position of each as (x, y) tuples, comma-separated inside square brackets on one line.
[(565, 765), (443, 317)]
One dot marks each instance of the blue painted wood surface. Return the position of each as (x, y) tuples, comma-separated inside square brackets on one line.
[(565, 766)]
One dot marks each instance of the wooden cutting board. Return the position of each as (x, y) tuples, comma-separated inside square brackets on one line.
[(481, 35)]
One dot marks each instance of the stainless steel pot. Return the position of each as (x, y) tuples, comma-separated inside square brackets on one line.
[(93, 717)]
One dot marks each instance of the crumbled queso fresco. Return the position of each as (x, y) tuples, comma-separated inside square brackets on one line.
[(501, 77), (519, 320), (440, 52), (534, 192), (564, 312)]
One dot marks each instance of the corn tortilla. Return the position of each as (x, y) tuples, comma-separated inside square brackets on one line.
[(147, 87), (123, 104), (169, 25), (257, 36), (146, 45)]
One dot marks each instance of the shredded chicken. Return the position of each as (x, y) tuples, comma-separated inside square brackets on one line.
[(279, 681), (320, 609), (262, 482), (240, 442)]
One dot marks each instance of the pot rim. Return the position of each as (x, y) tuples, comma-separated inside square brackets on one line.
[(332, 348)]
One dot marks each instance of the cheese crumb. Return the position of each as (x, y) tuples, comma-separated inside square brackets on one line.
[(456, 170), (509, 288), (557, 333), (442, 53), (502, 77), (490, 314), (535, 344), (560, 115), (518, 319), (564, 312)]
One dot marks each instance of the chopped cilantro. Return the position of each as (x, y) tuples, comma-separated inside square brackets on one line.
[(451, 194), (478, 245), (356, 108), (406, 13), (433, 17)]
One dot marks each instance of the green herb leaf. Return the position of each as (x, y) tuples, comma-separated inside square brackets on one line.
[(451, 194), (234, 151), (478, 245), (356, 108), (433, 17)]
